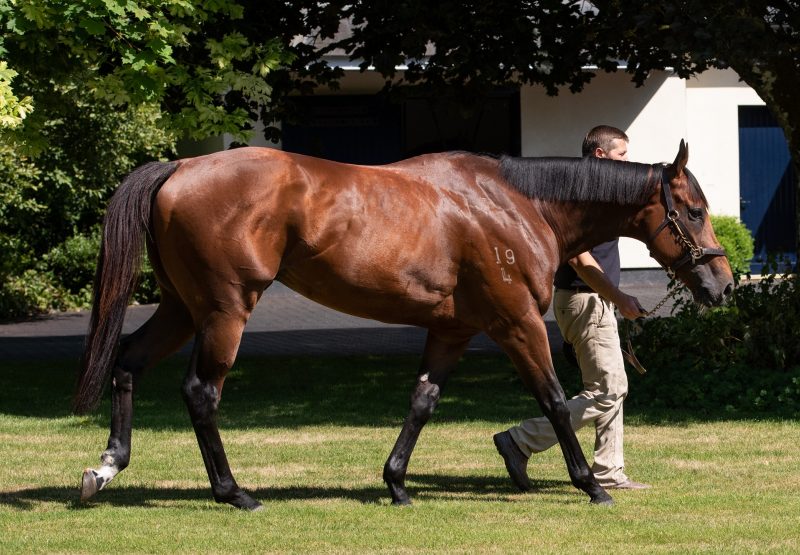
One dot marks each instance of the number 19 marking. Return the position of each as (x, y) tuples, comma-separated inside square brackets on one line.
[(509, 256)]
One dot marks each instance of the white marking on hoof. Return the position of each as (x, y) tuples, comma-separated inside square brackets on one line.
[(107, 473), (95, 480)]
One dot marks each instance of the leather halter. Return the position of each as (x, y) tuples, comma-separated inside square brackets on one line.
[(694, 252)]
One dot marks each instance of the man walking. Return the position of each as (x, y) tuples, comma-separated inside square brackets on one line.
[(587, 289)]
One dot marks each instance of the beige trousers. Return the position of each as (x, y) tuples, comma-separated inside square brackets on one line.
[(588, 322)]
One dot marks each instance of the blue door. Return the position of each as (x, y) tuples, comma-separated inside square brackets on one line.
[(767, 186)]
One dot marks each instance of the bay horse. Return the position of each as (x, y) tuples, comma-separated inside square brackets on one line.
[(456, 243)]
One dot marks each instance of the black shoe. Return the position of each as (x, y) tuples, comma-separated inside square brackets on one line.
[(516, 461)]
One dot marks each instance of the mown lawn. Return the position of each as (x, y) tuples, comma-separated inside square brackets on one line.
[(309, 436)]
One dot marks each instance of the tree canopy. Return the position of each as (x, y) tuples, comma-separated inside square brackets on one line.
[(215, 65), (183, 56)]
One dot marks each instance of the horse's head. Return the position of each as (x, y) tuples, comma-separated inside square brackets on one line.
[(681, 237)]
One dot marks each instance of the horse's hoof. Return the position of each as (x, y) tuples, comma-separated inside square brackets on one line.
[(243, 501), (398, 492), (401, 501), (604, 500), (90, 484)]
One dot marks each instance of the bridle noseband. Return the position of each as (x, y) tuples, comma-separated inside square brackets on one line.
[(694, 252)]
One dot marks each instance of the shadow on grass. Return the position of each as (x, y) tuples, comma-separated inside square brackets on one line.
[(420, 486), (285, 392), (292, 392)]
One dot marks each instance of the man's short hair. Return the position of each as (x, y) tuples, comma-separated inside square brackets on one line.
[(602, 136)]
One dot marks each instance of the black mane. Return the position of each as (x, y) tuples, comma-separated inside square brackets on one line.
[(581, 179)]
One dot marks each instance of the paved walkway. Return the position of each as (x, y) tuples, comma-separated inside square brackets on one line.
[(284, 323)]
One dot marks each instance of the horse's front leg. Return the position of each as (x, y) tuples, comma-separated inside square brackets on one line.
[(161, 335), (527, 345), (441, 355)]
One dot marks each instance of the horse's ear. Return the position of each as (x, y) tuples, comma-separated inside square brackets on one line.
[(681, 159)]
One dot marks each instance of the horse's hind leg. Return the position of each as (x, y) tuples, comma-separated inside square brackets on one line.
[(441, 355), (213, 355), (164, 333)]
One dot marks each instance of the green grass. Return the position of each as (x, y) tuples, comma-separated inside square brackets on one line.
[(308, 437)]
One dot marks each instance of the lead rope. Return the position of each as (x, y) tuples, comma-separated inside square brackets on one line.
[(629, 355)]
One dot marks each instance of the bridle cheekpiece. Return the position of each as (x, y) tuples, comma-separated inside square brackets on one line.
[(694, 252)]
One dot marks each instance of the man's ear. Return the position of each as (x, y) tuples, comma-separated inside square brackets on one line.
[(599, 153), (681, 159)]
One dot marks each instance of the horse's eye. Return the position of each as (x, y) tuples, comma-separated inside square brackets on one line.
[(696, 213)]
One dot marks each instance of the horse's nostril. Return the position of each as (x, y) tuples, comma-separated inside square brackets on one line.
[(728, 290)]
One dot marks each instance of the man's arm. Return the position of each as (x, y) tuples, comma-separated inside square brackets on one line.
[(592, 274)]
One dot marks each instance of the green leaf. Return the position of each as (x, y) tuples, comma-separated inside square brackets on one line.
[(93, 27)]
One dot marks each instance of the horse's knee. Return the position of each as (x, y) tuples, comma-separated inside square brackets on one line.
[(202, 398), (424, 399)]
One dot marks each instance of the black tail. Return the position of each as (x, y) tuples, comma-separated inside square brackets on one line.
[(126, 223)]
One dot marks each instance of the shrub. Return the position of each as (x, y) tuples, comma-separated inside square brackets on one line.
[(740, 358), (30, 292), (73, 262), (737, 241), (63, 279), (20, 180), (53, 195)]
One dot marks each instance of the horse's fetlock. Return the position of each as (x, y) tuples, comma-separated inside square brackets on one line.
[(226, 491), (582, 478), (116, 456), (393, 472)]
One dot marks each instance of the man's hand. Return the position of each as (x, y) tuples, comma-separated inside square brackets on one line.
[(629, 306)]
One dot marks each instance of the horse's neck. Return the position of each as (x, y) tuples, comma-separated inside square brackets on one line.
[(579, 227)]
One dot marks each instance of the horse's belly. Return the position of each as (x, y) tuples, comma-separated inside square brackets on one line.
[(383, 298)]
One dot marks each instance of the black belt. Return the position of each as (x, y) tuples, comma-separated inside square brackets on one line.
[(577, 289)]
